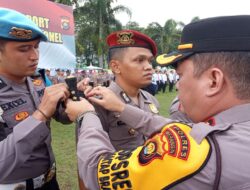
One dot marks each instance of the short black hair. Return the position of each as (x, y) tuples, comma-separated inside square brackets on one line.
[(116, 53)]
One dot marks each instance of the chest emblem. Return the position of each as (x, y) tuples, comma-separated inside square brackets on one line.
[(37, 82), (153, 108), (21, 116)]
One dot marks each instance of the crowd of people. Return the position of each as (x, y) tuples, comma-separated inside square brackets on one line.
[(161, 79), (98, 77), (122, 141)]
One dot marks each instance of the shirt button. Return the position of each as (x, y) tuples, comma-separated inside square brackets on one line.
[(131, 131)]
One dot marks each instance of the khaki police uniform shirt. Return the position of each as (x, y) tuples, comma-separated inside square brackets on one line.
[(121, 134), (176, 114), (232, 131), (25, 142)]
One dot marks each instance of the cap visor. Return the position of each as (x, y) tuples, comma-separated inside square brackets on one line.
[(172, 58)]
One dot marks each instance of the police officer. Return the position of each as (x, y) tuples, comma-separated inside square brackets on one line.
[(213, 61), (177, 113), (26, 106), (130, 58)]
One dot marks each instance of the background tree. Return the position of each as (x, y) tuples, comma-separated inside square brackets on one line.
[(133, 26), (97, 19), (195, 19), (166, 37)]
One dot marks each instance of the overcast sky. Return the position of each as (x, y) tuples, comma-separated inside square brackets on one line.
[(147, 11)]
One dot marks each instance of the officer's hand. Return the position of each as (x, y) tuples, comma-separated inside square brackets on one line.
[(84, 86), (75, 108), (106, 98), (52, 95)]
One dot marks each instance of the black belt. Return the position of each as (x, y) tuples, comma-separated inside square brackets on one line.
[(40, 181)]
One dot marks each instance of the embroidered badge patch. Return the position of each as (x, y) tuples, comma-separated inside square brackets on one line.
[(125, 38), (172, 141), (21, 116), (21, 33), (13, 104), (37, 82)]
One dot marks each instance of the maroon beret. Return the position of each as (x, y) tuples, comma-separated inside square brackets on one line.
[(131, 38)]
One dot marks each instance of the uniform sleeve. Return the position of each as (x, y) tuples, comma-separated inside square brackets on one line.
[(93, 142), (145, 122), (17, 148), (103, 116), (61, 116), (99, 164)]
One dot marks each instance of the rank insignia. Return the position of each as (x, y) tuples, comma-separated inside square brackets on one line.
[(21, 33), (37, 82), (125, 97), (2, 84), (153, 108), (125, 38), (21, 116)]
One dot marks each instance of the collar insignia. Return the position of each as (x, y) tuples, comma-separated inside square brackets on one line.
[(2, 84), (125, 97), (21, 33), (125, 38)]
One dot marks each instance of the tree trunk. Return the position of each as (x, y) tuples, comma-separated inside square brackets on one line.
[(100, 50)]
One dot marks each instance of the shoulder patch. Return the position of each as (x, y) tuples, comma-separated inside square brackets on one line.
[(167, 158)]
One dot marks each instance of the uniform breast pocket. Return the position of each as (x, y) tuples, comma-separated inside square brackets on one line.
[(15, 115), (124, 138), (122, 133)]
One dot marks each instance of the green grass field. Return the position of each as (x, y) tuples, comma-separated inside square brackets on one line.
[(65, 149)]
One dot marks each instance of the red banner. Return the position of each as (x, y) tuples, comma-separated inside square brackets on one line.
[(57, 22)]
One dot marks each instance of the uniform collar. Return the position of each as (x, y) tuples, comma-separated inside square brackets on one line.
[(221, 121), (236, 114), (7, 84), (118, 90), (4, 83)]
